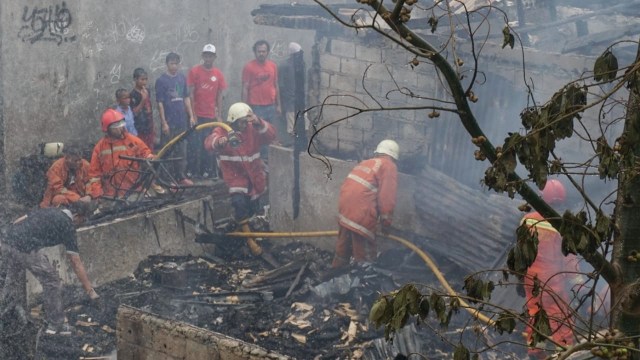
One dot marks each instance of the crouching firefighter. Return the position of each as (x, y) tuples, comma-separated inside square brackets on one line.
[(19, 249), (242, 168), (367, 198)]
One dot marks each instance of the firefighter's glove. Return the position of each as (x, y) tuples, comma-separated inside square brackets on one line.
[(520, 290), (222, 142)]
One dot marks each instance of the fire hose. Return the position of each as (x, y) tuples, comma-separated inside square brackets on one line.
[(233, 140), (423, 255)]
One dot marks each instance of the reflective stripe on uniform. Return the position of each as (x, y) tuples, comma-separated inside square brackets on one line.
[(356, 226), (92, 180), (363, 182), (239, 158), (242, 190), (378, 164), (112, 150), (540, 224), (264, 128)]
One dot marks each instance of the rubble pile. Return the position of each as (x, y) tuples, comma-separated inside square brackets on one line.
[(301, 309)]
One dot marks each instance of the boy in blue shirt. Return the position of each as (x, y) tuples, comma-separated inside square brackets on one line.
[(176, 114), (124, 100)]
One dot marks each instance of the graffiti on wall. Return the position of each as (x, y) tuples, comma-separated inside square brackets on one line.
[(50, 23)]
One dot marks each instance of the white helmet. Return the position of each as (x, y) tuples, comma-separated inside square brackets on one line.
[(238, 111), (388, 147)]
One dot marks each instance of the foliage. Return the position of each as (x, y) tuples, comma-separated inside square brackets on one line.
[(393, 310)]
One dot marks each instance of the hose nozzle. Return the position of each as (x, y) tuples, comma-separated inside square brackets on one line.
[(234, 141)]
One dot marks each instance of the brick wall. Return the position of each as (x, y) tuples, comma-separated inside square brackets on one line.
[(355, 70)]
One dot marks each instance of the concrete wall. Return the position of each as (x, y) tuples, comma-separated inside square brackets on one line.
[(62, 61), (145, 336), (113, 250)]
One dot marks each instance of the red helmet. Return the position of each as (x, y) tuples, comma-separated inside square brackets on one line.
[(109, 117), (554, 192)]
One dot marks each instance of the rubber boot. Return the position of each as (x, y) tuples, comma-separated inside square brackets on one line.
[(256, 249)]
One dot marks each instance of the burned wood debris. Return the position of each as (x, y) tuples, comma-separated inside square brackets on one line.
[(302, 309)]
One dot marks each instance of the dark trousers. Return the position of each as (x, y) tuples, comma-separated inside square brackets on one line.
[(41, 268), (243, 207), (200, 161), (176, 168), (268, 113)]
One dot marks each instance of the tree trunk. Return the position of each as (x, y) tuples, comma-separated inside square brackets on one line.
[(625, 292)]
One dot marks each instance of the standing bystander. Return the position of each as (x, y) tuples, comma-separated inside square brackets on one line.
[(141, 107), (206, 85), (124, 100), (260, 83), (176, 115), (291, 80)]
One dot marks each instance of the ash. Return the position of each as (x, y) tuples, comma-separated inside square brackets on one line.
[(302, 309)]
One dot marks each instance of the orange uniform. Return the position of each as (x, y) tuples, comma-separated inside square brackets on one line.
[(108, 171), (549, 267), (63, 187), (367, 194)]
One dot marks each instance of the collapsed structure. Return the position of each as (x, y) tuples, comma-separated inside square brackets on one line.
[(425, 211)]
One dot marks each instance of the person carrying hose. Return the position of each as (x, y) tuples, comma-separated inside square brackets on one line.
[(367, 197), (242, 168)]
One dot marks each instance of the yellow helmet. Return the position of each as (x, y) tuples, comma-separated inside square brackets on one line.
[(238, 111), (388, 147)]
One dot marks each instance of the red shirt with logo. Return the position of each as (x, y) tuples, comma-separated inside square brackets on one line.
[(207, 83), (261, 80)]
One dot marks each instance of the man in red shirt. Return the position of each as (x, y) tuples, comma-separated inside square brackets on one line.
[(206, 85), (260, 83)]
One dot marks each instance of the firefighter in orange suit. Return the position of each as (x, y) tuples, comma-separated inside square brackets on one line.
[(554, 272), (109, 174), (367, 197), (66, 180)]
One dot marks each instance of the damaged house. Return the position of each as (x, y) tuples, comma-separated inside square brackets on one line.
[(171, 292)]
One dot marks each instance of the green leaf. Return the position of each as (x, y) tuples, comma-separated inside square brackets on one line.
[(508, 38), (530, 117), (412, 299), (433, 22), (608, 160), (536, 286), (605, 67), (438, 305), (506, 323), (461, 353), (603, 225), (378, 310), (541, 326), (424, 308)]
